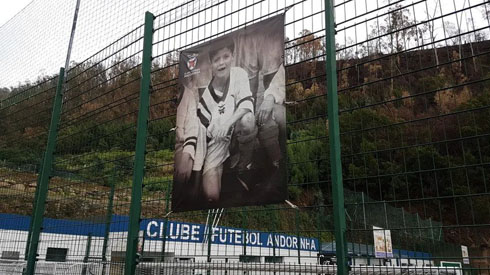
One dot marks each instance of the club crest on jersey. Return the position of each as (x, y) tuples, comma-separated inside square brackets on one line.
[(221, 107)]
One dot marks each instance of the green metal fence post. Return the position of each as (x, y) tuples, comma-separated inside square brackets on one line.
[(87, 253), (165, 222), (244, 232), (44, 176), (320, 214), (297, 235), (210, 230), (276, 224), (36, 195), (334, 137), (140, 151), (108, 221)]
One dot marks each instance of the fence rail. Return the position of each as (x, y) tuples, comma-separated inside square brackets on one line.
[(219, 268)]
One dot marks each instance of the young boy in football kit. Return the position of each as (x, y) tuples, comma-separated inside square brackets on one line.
[(226, 102)]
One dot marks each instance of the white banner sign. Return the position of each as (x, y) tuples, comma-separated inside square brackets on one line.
[(383, 247), (466, 256)]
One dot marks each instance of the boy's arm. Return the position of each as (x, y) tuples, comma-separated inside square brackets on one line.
[(275, 94), (186, 134), (244, 98), (191, 126), (276, 88), (225, 128)]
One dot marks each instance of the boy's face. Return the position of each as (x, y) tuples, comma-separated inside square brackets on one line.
[(221, 63)]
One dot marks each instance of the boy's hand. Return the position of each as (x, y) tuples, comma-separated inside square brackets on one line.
[(211, 129), (265, 110), (184, 168)]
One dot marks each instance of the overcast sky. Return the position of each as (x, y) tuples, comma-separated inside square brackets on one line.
[(10, 8), (34, 42)]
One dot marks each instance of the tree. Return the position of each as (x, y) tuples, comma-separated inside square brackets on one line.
[(307, 49), (308, 46), (486, 11), (398, 29), (4, 92), (452, 32), (431, 29)]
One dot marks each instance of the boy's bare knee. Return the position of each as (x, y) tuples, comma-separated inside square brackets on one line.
[(212, 184), (213, 197), (247, 123), (211, 192)]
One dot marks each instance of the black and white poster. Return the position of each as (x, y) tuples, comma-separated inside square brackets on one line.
[(231, 121)]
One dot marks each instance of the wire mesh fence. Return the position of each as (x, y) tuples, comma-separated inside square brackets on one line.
[(413, 126), (23, 137), (414, 139)]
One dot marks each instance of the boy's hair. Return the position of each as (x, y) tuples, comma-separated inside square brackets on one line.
[(221, 43)]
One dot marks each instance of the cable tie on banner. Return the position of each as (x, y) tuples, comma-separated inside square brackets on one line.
[(292, 5), (291, 204), (168, 214)]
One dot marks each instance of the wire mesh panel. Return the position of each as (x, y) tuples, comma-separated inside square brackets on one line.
[(89, 195), (413, 80), (34, 41), (23, 140), (37, 37)]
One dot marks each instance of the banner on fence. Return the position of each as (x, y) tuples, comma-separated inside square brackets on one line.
[(383, 247), (230, 128), (464, 253)]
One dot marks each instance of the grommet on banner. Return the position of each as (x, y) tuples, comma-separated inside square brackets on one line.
[(288, 7)]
